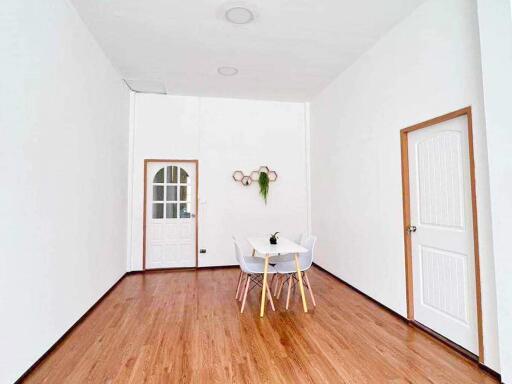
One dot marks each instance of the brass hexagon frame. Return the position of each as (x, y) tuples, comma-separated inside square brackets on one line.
[(246, 180), (238, 175), (264, 168), (255, 175), (272, 176)]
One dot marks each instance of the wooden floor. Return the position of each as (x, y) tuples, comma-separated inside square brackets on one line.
[(185, 327)]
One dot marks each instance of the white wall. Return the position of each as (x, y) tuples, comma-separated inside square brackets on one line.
[(496, 45), (63, 161), (428, 65), (224, 135)]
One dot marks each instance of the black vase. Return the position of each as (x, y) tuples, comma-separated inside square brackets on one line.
[(273, 240)]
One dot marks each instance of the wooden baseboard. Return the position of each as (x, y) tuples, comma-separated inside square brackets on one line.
[(445, 341), (184, 269), (490, 371), (67, 333), (471, 356), (391, 311), (419, 326), (220, 266), (86, 314)]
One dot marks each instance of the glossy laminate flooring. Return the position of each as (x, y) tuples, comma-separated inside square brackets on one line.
[(185, 327)]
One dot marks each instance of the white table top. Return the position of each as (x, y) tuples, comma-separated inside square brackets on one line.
[(283, 246)]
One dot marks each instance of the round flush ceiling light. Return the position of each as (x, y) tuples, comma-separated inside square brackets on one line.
[(239, 15), (227, 71)]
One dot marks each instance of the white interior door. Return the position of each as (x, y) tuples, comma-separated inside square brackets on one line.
[(443, 260), (170, 215)]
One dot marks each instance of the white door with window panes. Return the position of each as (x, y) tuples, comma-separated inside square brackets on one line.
[(170, 215)]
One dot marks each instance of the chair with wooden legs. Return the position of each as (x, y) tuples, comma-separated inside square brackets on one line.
[(248, 259), (287, 272), (251, 276), (274, 284)]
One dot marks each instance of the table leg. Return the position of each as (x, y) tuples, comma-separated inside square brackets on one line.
[(253, 252), (264, 287), (301, 286)]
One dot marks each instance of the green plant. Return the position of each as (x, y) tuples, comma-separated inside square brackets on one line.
[(264, 183)]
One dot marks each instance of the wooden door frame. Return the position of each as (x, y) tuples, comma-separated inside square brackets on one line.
[(407, 215), (146, 162)]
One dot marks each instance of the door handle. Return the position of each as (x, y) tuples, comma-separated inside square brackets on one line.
[(411, 229)]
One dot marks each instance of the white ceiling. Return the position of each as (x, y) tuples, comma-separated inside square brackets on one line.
[(291, 51)]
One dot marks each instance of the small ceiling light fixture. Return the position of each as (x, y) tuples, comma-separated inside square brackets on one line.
[(239, 15), (227, 71)]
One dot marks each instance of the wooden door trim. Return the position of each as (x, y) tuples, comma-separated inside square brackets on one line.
[(407, 215), (146, 162)]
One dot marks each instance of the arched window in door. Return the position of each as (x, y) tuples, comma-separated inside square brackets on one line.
[(172, 193)]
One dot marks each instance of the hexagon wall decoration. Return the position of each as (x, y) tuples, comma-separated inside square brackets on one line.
[(255, 175), (247, 180), (264, 168), (238, 175)]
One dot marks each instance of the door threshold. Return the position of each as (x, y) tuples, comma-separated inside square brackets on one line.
[(463, 351)]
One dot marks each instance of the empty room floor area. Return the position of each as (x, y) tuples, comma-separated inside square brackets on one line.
[(186, 326)]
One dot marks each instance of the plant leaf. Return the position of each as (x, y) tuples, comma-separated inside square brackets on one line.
[(263, 182)]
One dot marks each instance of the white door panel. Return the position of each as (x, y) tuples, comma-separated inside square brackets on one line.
[(170, 215), (442, 245)]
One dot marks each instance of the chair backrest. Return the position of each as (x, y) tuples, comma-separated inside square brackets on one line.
[(302, 238), (306, 259), (239, 256)]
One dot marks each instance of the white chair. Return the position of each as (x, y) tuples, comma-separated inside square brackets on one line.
[(287, 270), (287, 256), (252, 270), (283, 258)]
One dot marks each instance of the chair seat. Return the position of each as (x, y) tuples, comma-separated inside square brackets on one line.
[(258, 267), (252, 259), (281, 258), (287, 267)]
